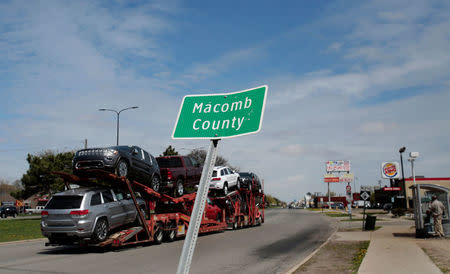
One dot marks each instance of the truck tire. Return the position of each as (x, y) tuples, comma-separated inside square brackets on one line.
[(170, 235), (235, 224), (179, 188), (122, 168), (159, 234), (156, 183), (101, 230)]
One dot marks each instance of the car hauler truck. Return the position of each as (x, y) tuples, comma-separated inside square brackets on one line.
[(168, 218)]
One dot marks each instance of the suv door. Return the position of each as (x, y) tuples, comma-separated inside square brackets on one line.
[(114, 210), (190, 171), (138, 162)]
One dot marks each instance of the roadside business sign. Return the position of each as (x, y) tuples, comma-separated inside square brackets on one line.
[(337, 166), (389, 170), (218, 116), (330, 178), (346, 178), (391, 188)]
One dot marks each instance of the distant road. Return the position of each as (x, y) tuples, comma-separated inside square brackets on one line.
[(283, 240)]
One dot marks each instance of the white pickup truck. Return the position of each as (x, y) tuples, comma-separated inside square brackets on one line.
[(36, 210)]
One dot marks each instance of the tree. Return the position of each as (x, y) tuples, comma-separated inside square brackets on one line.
[(170, 151), (39, 178), (200, 155)]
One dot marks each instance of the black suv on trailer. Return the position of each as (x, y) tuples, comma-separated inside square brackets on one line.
[(250, 181), (130, 161)]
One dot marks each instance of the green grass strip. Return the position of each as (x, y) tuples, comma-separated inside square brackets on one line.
[(357, 260), (17, 230)]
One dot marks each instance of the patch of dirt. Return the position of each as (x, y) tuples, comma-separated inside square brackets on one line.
[(334, 257), (439, 252)]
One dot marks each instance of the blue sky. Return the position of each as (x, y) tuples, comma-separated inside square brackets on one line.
[(347, 80)]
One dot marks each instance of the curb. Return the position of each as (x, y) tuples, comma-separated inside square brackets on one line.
[(297, 266), (22, 241)]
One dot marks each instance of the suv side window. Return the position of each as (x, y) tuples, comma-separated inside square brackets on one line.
[(148, 159), (222, 172), (107, 196), (229, 171), (187, 161), (95, 199)]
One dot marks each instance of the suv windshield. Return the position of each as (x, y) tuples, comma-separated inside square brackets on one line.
[(245, 175), (64, 202), (169, 162)]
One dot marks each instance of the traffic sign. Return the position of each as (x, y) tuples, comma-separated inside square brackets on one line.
[(365, 195), (218, 116), (348, 188)]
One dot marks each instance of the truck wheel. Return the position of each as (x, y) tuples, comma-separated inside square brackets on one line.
[(122, 168), (170, 235), (14, 215), (179, 189), (3, 215), (258, 221), (158, 236), (155, 183), (101, 230), (235, 224)]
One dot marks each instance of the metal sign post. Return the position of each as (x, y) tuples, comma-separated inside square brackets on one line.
[(214, 117), (197, 213), (364, 195)]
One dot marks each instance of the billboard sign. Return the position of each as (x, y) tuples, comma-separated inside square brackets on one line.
[(391, 189), (346, 178), (218, 116), (389, 170), (338, 166)]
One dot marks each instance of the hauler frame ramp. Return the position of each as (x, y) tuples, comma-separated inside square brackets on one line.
[(169, 217)]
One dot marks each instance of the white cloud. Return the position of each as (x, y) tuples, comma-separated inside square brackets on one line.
[(292, 150)]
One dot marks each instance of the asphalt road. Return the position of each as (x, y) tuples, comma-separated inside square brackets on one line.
[(286, 237)]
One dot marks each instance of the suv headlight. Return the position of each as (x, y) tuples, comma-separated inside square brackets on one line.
[(109, 153)]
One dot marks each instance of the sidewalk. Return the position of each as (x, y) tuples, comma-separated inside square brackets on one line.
[(388, 253)]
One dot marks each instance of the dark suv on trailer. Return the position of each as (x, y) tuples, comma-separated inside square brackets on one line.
[(250, 181), (130, 161)]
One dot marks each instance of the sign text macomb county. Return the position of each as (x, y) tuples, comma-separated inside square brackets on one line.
[(217, 116)]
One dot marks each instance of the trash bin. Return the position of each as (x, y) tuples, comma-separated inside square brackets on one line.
[(370, 222)]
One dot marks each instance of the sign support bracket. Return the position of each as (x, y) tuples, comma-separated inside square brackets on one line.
[(197, 213)]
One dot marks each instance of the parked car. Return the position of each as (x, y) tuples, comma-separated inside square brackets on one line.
[(179, 172), (250, 181), (223, 178), (130, 161), (6, 211), (86, 214)]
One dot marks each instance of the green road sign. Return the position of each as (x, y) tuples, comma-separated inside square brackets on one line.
[(218, 116)]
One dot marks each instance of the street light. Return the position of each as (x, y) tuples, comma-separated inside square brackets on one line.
[(118, 116), (418, 208), (401, 150)]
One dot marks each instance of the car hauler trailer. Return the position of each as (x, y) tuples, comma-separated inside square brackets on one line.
[(168, 218)]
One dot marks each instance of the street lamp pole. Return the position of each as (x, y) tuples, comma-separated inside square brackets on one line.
[(401, 150), (118, 117)]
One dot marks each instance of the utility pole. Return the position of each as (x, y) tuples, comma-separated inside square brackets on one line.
[(85, 143)]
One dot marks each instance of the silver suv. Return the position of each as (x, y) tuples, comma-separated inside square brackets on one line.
[(86, 214)]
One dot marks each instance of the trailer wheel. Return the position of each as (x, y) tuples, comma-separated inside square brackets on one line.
[(258, 221), (179, 189), (235, 224), (170, 235), (101, 230), (159, 234)]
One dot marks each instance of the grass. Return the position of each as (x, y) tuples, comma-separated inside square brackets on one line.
[(336, 214), (16, 230), (358, 220), (358, 258)]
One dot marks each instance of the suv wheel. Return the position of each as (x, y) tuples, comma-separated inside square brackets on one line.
[(155, 183), (179, 190), (225, 189), (101, 230), (122, 168), (15, 215), (238, 185), (3, 215)]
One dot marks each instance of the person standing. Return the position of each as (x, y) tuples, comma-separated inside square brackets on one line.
[(437, 209)]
